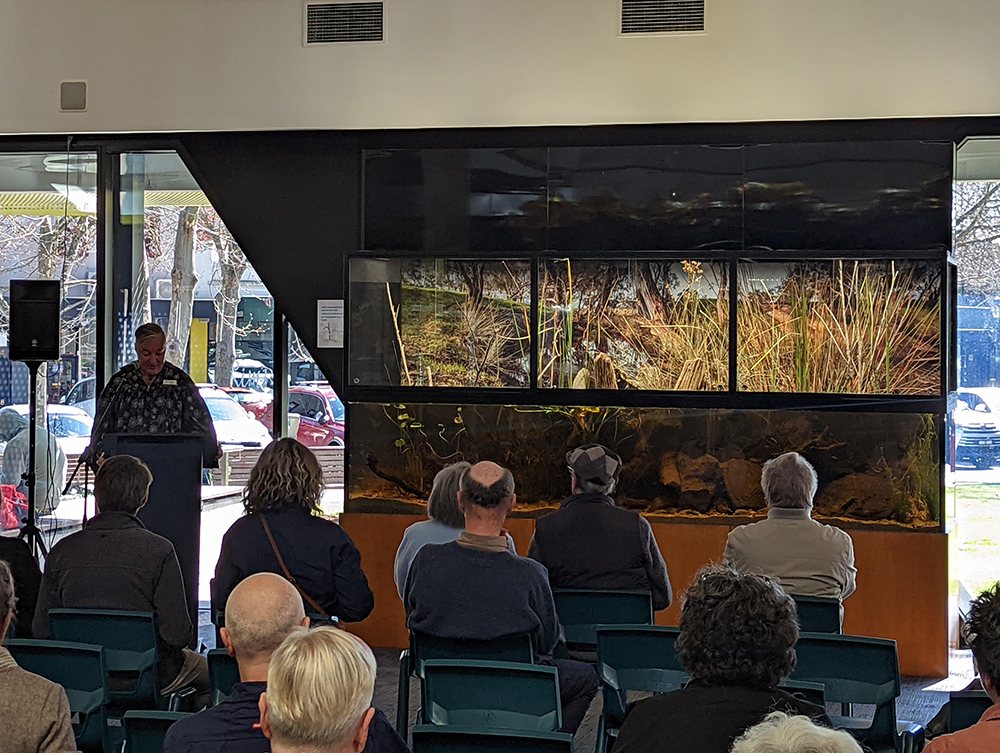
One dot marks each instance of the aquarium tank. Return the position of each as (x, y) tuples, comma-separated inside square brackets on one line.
[(874, 469)]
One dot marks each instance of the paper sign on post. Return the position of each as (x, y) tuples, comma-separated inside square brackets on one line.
[(330, 323)]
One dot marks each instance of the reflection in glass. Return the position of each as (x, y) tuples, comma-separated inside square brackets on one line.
[(445, 323), (681, 464), (863, 327), (647, 325)]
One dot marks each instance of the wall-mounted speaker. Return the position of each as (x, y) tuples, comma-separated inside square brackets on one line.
[(34, 320)]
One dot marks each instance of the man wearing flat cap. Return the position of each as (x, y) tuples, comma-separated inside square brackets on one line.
[(591, 543)]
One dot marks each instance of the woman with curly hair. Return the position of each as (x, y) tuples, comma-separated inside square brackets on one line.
[(737, 642), (283, 533)]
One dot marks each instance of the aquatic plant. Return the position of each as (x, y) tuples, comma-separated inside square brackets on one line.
[(841, 326)]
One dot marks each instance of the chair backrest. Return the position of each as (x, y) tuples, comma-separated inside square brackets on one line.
[(428, 738), (511, 648), (146, 730), (482, 694), (854, 669), (223, 673), (79, 668), (640, 657), (966, 708), (580, 611), (130, 648), (818, 615)]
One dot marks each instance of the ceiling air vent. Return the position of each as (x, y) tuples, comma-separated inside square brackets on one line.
[(343, 22), (663, 16)]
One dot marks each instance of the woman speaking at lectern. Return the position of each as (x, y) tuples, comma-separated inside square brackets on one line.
[(149, 396)]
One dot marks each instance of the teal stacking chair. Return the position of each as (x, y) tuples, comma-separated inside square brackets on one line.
[(130, 650), (853, 669), (580, 611), (79, 668), (490, 694), (223, 673), (818, 615), (638, 658), (430, 738), (146, 730), (511, 648), (966, 708)]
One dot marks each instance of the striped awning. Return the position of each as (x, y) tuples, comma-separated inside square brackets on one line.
[(82, 204)]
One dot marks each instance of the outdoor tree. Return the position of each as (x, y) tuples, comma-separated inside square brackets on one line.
[(182, 282), (976, 209), (232, 264)]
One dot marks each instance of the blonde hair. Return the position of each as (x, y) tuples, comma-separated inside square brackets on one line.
[(788, 481), (319, 685), (287, 474), (781, 733)]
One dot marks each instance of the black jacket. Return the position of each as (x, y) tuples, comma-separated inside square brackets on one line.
[(228, 728), (318, 553), (704, 719), (590, 543), (115, 563)]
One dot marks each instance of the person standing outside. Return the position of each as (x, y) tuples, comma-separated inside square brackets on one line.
[(150, 396)]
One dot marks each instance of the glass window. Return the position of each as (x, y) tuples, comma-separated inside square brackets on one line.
[(840, 326), (440, 322), (634, 324)]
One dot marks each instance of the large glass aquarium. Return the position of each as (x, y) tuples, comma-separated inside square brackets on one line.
[(878, 469), (700, 309)]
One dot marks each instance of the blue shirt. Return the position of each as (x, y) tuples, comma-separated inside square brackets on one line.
[(228, 728)]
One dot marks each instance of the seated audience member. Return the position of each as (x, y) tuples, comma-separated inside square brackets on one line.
[(983, 634), (475, 587), (262, 611), (781, 733), (27, 578), (590, 543), (283, 533), (35, 712), (737, 642), (115, 563), (444, 525), (808, 558), (319, 693)]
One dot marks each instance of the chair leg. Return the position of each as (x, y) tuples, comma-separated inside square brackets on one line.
[(403, 696), (602, 739)]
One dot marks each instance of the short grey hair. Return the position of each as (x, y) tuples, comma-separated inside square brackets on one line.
[(788, 481), (488, 497), (442, 504), (781, 733), (147, 332), (590, 487)]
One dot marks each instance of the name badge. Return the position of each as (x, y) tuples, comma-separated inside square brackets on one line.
[(170, 382)]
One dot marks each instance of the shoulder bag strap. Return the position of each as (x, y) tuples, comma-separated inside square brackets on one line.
[(284, 569)]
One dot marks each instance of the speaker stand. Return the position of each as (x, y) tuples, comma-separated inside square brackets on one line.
[(30, 531)]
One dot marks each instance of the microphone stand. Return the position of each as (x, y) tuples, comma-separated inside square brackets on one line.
[(30, 531)]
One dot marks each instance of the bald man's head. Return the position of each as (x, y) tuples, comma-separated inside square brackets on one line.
[(487, 485), (260, 613)]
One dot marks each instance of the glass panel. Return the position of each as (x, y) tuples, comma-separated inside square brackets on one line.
[(690, 465), (48, 230), (440, 322), (653, 198), (863, 327), (191, 277), (648, 325), (455, 200), (857, 195)]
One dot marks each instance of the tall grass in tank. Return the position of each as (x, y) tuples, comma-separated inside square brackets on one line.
[(633, 325), (839, 326)]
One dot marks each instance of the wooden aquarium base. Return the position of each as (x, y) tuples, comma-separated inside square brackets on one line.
[(902, 589)]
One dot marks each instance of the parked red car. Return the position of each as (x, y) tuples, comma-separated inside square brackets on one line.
[(253, 401), (321, 415)]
